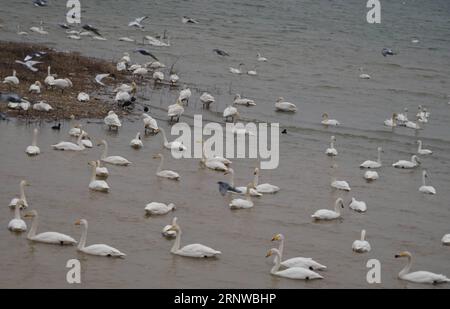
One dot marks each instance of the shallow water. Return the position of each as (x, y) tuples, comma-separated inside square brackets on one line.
[(315, 49)]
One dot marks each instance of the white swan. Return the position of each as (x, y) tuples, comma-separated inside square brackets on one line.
[(332, 151), (236, 70), (76, 131), (361, 245), (424, 188), (17, 224), (49, 79), (39, 29), (371, 175), (264, 187), (158, 76), (122, 96), (150, 124), (97, 185), (11, 80), (167, 232), (206, 99), (165, 173), (421, 150), (359, 206), (193, 250), (326, 214), (33, 149), (407, 164), (373, 164), (299, 273), (175, 110), (212, 163), (112, 120), (116, 160), (61, 83), (283, 106), (69, 146), (260, 58), (46, 237), (242, 190), (412, 125), (173, 78), (42, 107), (127, 88), (185, 94), (239, 203), (363, 75), (340, 185), (329, 122), (14, 202), (141, 72), (101, 171), (392, 122), (446, 240), (136, 142), (418, 276), (35, 88), (175, 145), (97, 249), (155, 208), (121, 66), (402, 118), (230, 111), (303, 262), (243, 101), (86, 141)]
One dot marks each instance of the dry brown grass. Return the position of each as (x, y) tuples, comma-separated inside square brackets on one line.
[(79, 69)]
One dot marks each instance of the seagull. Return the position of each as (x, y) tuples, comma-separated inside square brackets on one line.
[(145, 53), (220, 52), (92, 29), (35, 55), (186, 20), (29, 64), (137, 22), (99, 78), (387, 52)]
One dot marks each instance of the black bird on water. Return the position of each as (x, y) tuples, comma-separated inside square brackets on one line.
[(56, 126), (92, 29), (220, 52), (146, 109), (284, 131), (225, 187), (145, 53), (387, 52)]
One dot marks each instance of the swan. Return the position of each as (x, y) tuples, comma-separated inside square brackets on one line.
[(241, 190), (264, 187), (236, 71), (121, 66), (140, 72), (326, 214), (238, 203), (371, 175), (206, 99), (123, 96), (11, 80), (359, 206), (446, 240), (46, 237), (39, 29), (260, 58), (299, 273), (186, 20), (158, 76), (165, 173), (173, 78), (361, 245), (33, 150), (230, 111), (42, 107), (185, 94), (282, 106), (76, 131), (222, 159), (424, 188), (97, 249), (70, 146), (17, 224), (116, 160), (97, 185), (243, 101), (83, 97), (127, 88), (136, 142), (340, 185), (155, 65), (175, 145), (193, 250), (392, 122), (112, 121), (402, 118), (329, 122), (126, 57), (418, 276), (14, 202), (36, 87), (137, 22), (61, 83), (252, 72), (100, 171), (21, 32), (363, 75), (332, 151), (175, 110), (212, 163), (303, 262), (86, 141), (150, 123), (167, 232), (412, 125), (49, 79), (373, 164), (155, 208), (423, 151), (407, 164)]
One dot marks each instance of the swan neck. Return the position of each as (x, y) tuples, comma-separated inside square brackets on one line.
[(164, 135), (256, 179), (34, 226), (379, 156), (93, 173), (34, 142), (82, 242), (231, 171), (363, 235), (281, 248), (105, 150), (336, 206), (277, 261), (177, 243), (407, 268), (423, 179), (332, 144), (17, 212)]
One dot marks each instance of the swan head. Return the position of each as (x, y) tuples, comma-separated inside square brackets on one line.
[(419, 141), (280, 99), (402, 254), (340, 202), (333, 138), (229, 171), (237, 96), (81, 222), (272, 251), (102, 142), (325, 116), (256, 172), (24, 183), (38, 83), (278, 237), (415, 158), (380, 149), (30, 214), (425, 173), (93, 163), (111, 113), (174, 226)]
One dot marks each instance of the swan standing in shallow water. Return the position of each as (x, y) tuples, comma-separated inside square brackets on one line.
[(424, 188), (116, 160), (407, 164), (97, 185), (326, 214), (230, 111), (421, 150), (299, 273), (17, 224), (359, 206), (155, 208), (239, 203), (136, 142), (33, 149), (361, 245), (150, 124), (15, 201), (340, 185), (418, 276), (175, 145), (303, 262), (283, 106), (97, 249), (329, 122), (46, 237), (373, 164), (264, 187), (206, 99), (175, 111), (392, 122), (112, 121), (332, 151), (242, 190), (69, 146), (193, 250), (165, 173)]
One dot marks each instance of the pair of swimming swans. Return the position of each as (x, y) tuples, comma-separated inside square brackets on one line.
[(298, 273)]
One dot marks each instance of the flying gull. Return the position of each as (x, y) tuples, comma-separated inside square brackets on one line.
[(145, 53)]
